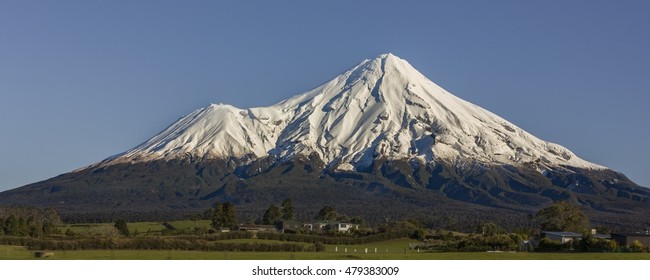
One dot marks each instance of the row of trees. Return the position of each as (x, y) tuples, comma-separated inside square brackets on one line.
[(28, 221), (473, 243), (224, 215), (274, 214), (328, 213)]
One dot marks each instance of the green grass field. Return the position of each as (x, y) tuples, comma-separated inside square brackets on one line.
[(395, 252), (260, 241), (140, 227)]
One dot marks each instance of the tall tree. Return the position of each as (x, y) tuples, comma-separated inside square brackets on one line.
[(49, 228), (11, 225), (287, 209), (207, 214), (490, 229), (327, 213), (272, 215), (23, 228), (121, 226), (357, 220), (51, 216), (218, 216), (229, 215), (562, 216)]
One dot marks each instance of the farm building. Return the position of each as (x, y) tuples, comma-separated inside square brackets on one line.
[(626, 239), (337, 226), (562, 236), (257, 228), (291, 226), (567, 236)]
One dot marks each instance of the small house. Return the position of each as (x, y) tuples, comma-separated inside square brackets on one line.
[(345, 227)]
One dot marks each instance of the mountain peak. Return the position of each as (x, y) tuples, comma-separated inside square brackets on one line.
[(389, 61), (380, 108), (385, 56)]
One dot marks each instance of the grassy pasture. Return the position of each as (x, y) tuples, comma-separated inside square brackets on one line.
[(21, 253), (262, 241), (389, 246), (140, 227)]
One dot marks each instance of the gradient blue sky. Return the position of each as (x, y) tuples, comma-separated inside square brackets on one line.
[(83, 80)]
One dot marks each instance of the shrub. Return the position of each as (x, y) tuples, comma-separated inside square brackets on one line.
[(319, 247), (548, 245), (636, 246)]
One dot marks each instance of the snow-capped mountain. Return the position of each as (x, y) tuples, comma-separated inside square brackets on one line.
[(378, 141), (382, 107)]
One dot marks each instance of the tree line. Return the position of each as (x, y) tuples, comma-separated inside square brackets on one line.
[(27, 221)]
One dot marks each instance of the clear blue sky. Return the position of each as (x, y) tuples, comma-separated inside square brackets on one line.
[(83, 80)]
